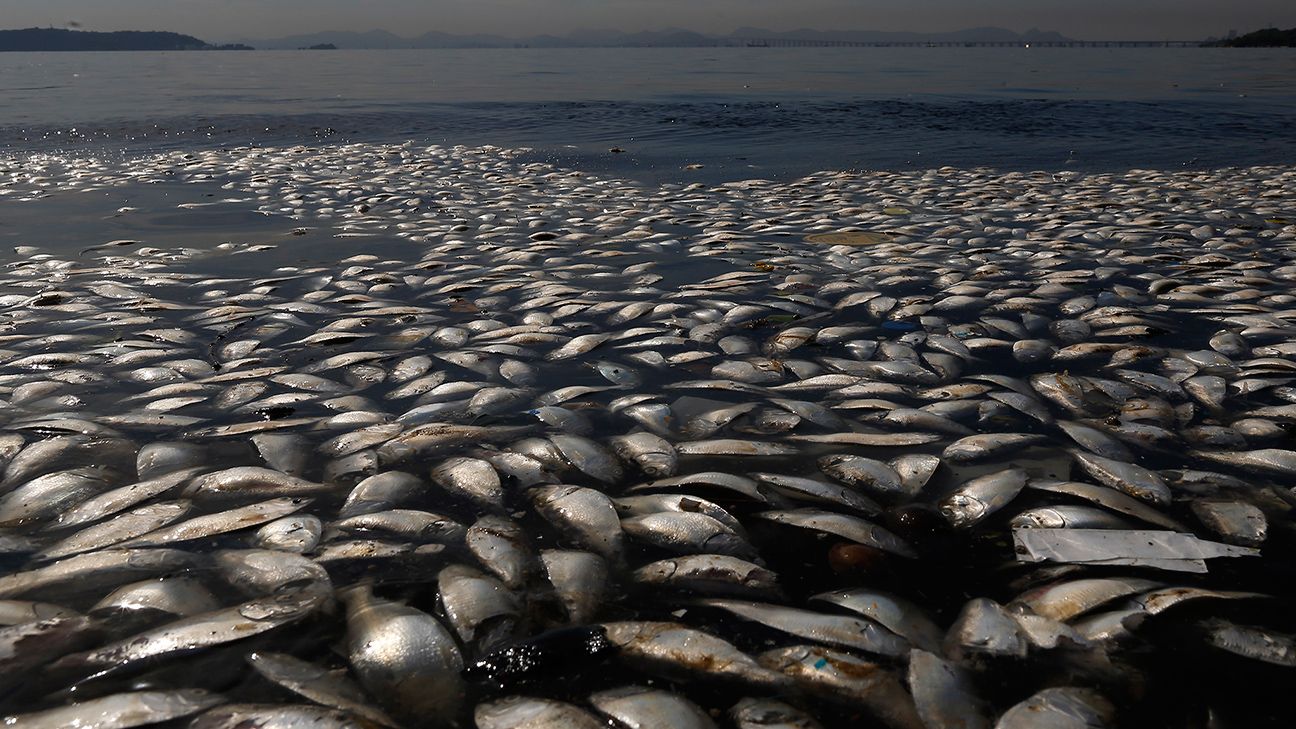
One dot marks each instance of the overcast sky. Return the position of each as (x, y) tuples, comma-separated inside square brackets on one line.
[(220, 20)]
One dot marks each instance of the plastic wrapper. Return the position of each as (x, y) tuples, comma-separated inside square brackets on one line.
[(1165, 550)]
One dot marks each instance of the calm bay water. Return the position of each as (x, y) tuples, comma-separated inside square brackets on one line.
[(740, 112)]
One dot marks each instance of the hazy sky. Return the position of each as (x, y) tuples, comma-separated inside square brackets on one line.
[(219, 20)]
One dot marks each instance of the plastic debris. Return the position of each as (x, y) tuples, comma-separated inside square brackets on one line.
[(1165, 550)]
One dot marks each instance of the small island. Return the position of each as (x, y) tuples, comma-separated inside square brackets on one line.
[(319, 47), (59, 39), (1266, 38)]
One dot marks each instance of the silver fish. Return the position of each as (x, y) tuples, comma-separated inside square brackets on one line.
[(403, 656), (974, 500), (639, 708), (319, 685), (119, 711), (198, 632), (522, 712)]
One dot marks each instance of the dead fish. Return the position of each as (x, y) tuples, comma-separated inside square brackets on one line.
[(741, 485), (120, 710), (481, 609), (1237, 522), (849, 632), (522, 712), (200, 527), (251, 481), (753, 713), (974, 500), (808, 489), (381, 492), (45, 496), (983, 627), (286, 452), (944, 694), (589, 457), (298, 534), (843, 678), (500, 545), (403, 656), (196, 633), (119, 529), (688, 533), (1252, 642), (653, 455), (273, 716), (1060, 707), (410, 524), (733, 447), (628, 506), (1070, 598), (61, 452), (988, 445), (875, 476), (580, 580), (1134, 480), (470, 478), (1108, 498), (17, 612), (1273, 462), (267, 571), (710, 574), (640, 708), (1067, 516), (586, 516), (317, 684), (28, 647), (172, 596), (86, 573), (879, 440), (679, 652), (893, 613), (848, 527)]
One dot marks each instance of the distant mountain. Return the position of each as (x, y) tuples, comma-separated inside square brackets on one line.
[(58, 39), (340, 38), (669, 37), (971, 35)]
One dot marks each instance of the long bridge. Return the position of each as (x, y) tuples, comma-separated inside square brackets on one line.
[(814, 43)]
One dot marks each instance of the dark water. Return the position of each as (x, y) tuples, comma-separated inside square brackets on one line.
[(737, 112)]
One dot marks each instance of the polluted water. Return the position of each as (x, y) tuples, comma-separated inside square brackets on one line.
[(474, 440)]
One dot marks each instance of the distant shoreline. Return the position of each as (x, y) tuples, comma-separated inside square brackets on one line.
[(59, 39)]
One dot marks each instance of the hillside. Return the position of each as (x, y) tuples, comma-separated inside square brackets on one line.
[(58, 39), (1266, 38)]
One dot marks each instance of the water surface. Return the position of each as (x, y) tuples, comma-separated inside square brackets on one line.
[(738, 112)]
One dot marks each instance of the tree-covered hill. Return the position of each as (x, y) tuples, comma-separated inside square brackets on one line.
[(58, 39), (1267, 38)]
